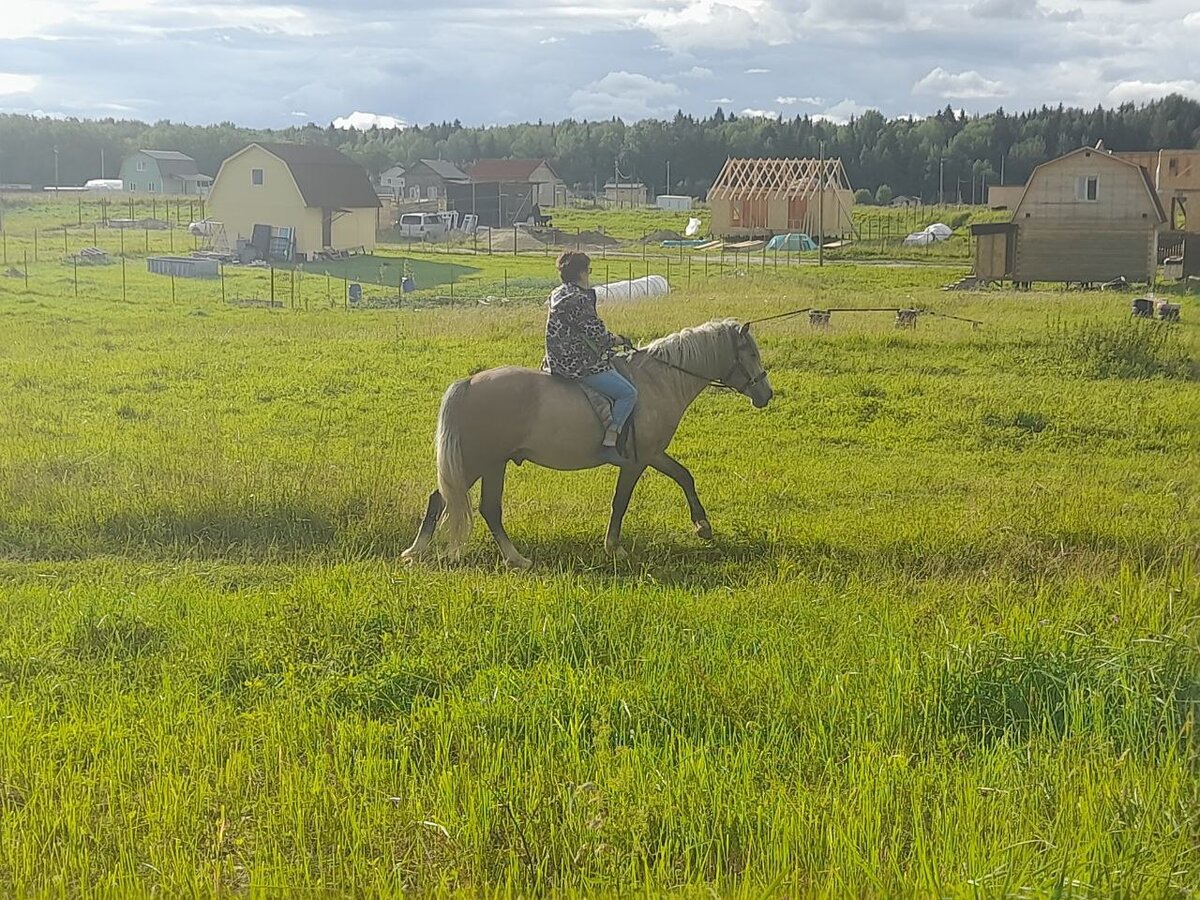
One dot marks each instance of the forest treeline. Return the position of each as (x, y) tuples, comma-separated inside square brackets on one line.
[(948, 153)]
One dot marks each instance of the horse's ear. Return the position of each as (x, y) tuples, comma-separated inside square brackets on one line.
[(744, 330)]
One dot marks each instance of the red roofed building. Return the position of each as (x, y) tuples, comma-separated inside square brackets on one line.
[(512, 187)]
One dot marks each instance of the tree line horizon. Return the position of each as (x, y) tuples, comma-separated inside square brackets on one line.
[(948, 155)]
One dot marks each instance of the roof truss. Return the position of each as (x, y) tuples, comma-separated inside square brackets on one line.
[(750, 179)]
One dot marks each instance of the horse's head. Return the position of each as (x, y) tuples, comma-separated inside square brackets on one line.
[(747, 376)]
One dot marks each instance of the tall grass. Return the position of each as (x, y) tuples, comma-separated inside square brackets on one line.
[(944, 644)]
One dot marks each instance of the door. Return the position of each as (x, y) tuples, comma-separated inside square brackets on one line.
[(327, 228)]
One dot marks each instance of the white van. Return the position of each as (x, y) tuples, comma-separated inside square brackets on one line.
[(422, 226)]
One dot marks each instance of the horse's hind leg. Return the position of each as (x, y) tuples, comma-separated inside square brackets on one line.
[(626, 482), (490, 506), (677, 472), (433, 512)]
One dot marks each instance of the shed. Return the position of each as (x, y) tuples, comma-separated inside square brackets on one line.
[(163, 172), (626, 193), (1087, 217), (763, 197), (324, 195), (521, 183), (674, 202)]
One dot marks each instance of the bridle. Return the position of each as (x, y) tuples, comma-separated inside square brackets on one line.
[(724, 382)]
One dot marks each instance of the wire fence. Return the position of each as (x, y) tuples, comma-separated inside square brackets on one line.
[(115, 263)]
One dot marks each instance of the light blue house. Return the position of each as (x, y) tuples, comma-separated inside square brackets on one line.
[(163, 172)]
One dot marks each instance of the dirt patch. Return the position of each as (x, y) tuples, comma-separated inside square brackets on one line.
[(663, 234), (505, 240)]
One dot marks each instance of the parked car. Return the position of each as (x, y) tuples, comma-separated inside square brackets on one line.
[(422, 226)]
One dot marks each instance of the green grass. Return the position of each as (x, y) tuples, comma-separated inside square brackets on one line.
[(389, 270), (944, 644)]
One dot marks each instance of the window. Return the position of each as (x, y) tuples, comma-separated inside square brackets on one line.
[(141, 165), (1087, 188), (256, 176), (432, 192), (152, 188), (414, 193), (132, 186)]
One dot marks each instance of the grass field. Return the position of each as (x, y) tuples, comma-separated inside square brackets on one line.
[(947, 640)]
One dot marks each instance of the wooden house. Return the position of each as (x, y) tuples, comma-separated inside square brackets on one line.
[(763, 197), (1176, 176), (324, 197), (518, 184), (163, 172), (1086, 217), (433, 179)]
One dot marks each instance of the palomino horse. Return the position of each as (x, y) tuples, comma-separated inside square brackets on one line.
[(518, 415)]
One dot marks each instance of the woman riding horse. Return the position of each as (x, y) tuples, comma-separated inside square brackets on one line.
[(579, 346)]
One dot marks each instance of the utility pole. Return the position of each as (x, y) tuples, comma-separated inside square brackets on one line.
[(941, 181), (101, 162), (668, 186), (56, 170)]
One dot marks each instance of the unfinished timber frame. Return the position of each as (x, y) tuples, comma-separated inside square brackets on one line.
[(763, 197)]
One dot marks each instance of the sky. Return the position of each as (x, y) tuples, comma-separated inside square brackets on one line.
[(273, 63)]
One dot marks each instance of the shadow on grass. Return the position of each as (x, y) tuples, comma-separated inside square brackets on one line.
[(297, 532)]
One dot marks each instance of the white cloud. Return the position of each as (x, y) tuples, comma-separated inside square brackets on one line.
[(1145, 91), (629, 95), (721, 100), (697, 72), (721, 24), (365, 121), (16, 84), (760, 113), (841, 113), (550, 40), (758, 71), (792, 101), (969, 85)]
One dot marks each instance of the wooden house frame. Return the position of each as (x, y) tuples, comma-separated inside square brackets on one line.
[(762, 197)]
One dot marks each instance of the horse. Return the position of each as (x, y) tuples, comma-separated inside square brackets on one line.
[(519, 415)]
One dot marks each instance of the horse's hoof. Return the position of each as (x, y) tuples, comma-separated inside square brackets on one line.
[(619, 553), (520, 563), (704, 530)]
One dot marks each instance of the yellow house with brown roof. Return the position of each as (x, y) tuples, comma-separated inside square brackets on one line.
[(324, 195)]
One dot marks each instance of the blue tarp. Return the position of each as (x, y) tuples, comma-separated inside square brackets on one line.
[(793, 241)]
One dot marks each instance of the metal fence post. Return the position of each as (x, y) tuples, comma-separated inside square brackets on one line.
[(76, 268), (27, 271)]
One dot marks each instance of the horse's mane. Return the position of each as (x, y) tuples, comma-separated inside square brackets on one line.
[(696, 349)]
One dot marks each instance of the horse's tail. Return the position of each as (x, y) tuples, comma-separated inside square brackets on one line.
[(453, 481)]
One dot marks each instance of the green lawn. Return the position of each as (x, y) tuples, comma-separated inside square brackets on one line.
[(945, 642)]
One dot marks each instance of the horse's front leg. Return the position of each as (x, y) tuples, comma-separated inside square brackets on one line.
[(626, 482), (491, 506), (677, 472)]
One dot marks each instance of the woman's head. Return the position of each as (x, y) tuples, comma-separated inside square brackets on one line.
[(574, 268)]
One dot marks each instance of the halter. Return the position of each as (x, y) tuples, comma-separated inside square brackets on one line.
[(724, 381)]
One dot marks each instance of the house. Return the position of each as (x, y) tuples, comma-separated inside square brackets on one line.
[(431, 179), (1176, 177), (626, 193), (764, 197), (319, 192), (163, 172), (506, 190), (391, 180), (1088, 216)]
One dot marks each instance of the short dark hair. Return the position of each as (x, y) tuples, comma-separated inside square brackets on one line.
[(571, 265)]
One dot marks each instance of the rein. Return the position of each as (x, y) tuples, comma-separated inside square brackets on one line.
[(790, 314), (721, 383)]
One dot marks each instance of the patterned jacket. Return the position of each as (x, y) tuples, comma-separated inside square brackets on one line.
[(577, 343)]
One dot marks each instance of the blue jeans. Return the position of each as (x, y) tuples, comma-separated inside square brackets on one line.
[(617, 388)]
